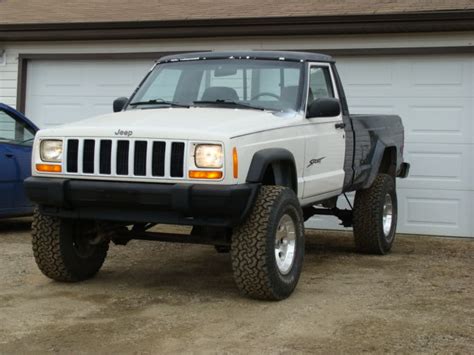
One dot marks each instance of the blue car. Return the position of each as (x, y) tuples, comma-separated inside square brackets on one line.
[(16, 139)]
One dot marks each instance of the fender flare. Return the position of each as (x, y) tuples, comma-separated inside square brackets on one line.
[(376, 161), (264, 158)]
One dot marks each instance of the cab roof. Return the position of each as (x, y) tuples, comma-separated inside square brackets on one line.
[(267, 55)]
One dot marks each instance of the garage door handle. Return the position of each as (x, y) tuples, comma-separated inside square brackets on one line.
[(340, 125), (9, 155)]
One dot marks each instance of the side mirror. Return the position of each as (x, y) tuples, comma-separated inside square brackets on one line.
[(324, 107), (120, 103)]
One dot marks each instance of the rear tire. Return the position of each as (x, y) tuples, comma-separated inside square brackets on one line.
[(375, 216), (66, 250), (268, 248)]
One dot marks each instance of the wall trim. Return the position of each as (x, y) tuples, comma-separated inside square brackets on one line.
[(435, 21), (24, 58)]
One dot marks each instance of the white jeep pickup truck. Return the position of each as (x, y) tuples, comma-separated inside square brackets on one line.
[(242, 146)]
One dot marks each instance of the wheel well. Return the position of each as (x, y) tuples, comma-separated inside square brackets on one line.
[(388, 165), (281, 173)]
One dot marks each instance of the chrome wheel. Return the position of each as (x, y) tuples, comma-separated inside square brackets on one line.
[(387, 215), (285, 244)]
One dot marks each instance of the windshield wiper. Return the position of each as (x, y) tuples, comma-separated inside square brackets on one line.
[(229, 103), (158, 102)]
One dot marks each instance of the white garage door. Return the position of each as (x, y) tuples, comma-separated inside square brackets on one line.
[(433, 94), (59, 92)]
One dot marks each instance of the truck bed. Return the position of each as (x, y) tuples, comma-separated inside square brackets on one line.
[(371, 136)]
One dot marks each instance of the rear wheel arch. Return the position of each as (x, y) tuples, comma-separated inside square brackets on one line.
[(384, 161), (388, 164), (274, 166)]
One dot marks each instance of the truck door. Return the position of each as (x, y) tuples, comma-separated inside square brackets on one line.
[(325, 139), (16, 139), (7, 178)]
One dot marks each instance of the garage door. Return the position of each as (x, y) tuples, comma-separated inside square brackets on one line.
[(58, 92), (433, 94)]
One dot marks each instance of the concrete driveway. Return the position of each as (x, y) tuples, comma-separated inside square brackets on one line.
[(170, 298)]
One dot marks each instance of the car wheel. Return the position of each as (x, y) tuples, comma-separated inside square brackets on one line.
[(375, 216), (67, 250), (268, 248)]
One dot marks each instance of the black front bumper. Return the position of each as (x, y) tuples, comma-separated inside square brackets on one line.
[(187, 204)]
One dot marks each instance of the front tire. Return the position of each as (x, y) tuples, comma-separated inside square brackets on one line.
[(67, 250), (375, 216), (268, 248)]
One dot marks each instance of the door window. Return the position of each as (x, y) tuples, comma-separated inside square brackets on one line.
[(320, 84), (14, 131)]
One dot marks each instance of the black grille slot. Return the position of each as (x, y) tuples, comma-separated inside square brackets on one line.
[(177, 159), (122, 157), (105, 157), (72, 150), (139, 162), (88, 156), (158, 159)]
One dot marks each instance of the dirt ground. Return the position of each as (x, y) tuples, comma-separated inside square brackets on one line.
[(168, 298)]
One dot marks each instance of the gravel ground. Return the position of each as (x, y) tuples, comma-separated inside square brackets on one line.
[(170, 298)]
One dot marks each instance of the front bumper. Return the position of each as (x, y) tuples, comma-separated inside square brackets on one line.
[(130, 202)]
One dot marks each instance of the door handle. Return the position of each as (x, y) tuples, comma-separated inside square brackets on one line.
[(9, 155), (340, 125)]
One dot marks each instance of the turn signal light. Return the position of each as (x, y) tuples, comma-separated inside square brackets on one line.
[(200, 174), (48, 168), (235, 162)]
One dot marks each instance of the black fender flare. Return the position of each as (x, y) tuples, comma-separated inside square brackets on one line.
[(264, 158), (376, 161)]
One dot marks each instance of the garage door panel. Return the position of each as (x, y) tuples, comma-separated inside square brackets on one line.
[(437, 212), (433, 120), (418, 76), (426, 120), (62, 110), (368, 78), (439, 166), (441, 77), (66, 91)]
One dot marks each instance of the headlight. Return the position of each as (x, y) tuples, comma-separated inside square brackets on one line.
[(51, 151), (208, 156)]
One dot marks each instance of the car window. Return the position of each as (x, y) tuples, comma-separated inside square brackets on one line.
[(320, 84), (264, 84), (164, 88), (13, 131)]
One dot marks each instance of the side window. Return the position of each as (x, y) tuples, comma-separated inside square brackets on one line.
[(13, 131), (320, 84)]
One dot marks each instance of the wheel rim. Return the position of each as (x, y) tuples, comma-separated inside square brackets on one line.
[(285, 244), (387, 215)]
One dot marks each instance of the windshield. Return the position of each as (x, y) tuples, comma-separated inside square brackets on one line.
[(235, 83)]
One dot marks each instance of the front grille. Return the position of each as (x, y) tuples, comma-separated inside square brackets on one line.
[(123, 150), (105, 166), (158, 159), (88, 156), (120, 157), (177, 159), (139, 160), (72, 151)]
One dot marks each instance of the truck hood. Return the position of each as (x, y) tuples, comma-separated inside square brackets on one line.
[(176, 123)]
